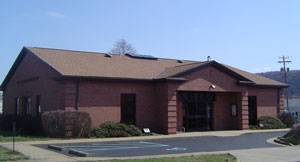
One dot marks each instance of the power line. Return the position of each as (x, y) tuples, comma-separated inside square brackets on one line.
[(285, 71)]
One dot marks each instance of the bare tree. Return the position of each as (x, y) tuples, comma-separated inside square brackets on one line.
[(122, 47)]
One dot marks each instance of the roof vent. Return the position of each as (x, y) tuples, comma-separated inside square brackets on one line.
[(180, 61), (208, 58), (107, 55)]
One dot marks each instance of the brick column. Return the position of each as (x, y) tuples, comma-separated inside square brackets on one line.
[(172, 108), (244, 113), (172, 113), (281, 100)]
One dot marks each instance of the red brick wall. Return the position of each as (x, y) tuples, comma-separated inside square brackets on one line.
[(102, 100), (50, 90), (267, 101), (222, 118)]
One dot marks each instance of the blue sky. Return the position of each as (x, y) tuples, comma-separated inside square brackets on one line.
[(249, 35)]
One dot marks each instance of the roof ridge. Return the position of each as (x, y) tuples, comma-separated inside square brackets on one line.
[(187, 64), (176, 59), (69, 50), (101, 53)]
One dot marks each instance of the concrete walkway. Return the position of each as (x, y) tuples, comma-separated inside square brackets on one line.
[(37, 154), (278, 154)]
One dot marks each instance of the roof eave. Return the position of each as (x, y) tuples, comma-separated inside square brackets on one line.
[(253, 84), (172, 79), (241, 82), (270, 86), (95, 78)]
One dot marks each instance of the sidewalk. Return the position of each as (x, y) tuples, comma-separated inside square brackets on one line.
[(276, 154), (37, 154)]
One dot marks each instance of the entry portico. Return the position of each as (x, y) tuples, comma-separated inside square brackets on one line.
[(206, 100)]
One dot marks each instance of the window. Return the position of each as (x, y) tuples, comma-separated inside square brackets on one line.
[(27, 105), (233, 110), (38, 105), (17, 106), (128, 108)]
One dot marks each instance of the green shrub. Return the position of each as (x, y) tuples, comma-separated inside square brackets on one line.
[(293, 136), (112, 129), (62, 124), (270, 123), (287, 119), (134, 131)]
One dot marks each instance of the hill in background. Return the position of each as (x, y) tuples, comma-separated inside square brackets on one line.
[(293, 79)]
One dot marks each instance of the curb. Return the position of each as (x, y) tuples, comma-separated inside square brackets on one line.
[(237, 159), (78, 153), (55, 147), (282, 142)]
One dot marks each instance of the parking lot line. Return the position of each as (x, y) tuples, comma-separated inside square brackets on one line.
[(120, 146)]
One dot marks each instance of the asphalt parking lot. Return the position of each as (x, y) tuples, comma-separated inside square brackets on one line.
[(170, 146)]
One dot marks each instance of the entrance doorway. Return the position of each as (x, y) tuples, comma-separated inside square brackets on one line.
[(197, 110), (128, 109), (252, 109)]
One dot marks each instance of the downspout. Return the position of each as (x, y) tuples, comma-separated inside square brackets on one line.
[(77, 95)]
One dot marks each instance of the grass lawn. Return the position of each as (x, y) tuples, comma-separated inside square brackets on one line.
[(200, 158), (7, 136), (9, 155)]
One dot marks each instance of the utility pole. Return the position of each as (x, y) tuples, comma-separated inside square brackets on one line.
[(285, 71)]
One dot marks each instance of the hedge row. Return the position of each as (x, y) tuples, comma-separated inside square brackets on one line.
[(24, 124), (64, 124)]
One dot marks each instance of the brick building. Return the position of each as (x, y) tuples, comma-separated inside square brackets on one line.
[(165, 95)]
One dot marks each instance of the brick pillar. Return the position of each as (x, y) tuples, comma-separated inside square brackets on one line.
[(281, 100), (243, 117), (172, 113), (179, 115), (172, 108)]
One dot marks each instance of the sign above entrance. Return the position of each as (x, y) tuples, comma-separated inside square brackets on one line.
[(197, 97)]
